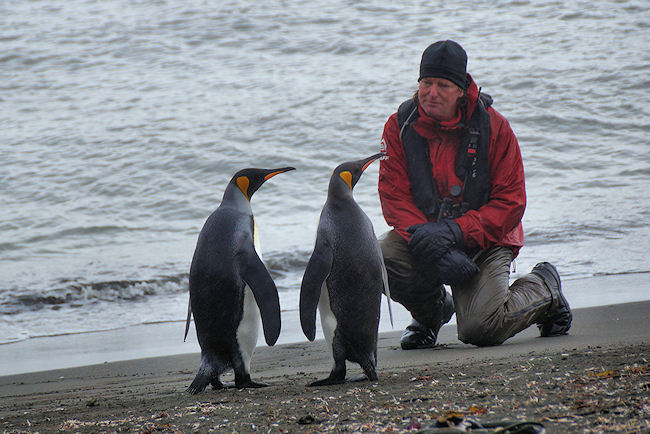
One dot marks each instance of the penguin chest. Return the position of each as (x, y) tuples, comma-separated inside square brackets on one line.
[(327, 317), (249, 325), (248, 329)]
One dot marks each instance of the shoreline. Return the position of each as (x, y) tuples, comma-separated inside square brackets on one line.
[(166, 339), (545, 379)]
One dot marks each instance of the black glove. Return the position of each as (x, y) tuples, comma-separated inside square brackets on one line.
[(431, 240), (453, 267)]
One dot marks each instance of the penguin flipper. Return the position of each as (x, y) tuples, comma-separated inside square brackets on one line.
[(189, 317), (265, 292), (384, 277), (318, 268)]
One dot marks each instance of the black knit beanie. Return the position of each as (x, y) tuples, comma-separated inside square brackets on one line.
[(445, 59)]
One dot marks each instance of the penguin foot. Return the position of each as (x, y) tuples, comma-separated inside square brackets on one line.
[(327, 382), (354, 379), (218, 385), (250, 384)]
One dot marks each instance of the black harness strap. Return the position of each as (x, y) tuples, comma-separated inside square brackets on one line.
[(418, 160), (472, 164)]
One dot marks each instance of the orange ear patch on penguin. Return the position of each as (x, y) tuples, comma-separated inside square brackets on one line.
[(347, 177), (243, 182)]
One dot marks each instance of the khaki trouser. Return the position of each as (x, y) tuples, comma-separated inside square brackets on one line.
[(488, 309)]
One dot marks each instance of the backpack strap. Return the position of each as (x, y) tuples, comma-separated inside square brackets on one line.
[(472, 165), (418, 161)]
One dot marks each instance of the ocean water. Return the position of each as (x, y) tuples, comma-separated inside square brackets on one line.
[(122, 121)]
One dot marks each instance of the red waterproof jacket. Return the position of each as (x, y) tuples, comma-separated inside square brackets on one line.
[(498, 222)]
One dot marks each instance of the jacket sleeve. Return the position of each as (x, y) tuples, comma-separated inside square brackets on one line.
[(397, 203), (500, 218)]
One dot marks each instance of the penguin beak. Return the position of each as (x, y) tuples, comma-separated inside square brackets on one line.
[(368, 161), (351, 180), (274, 172)]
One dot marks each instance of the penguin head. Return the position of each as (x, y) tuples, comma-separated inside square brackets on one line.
[(348, 173), (248, 181)]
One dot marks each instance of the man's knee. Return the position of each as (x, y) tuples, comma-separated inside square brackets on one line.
[(392, 244), (478, 332), (396, 256)]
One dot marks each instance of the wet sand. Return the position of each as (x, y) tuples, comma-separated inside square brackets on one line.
[(596, 378)]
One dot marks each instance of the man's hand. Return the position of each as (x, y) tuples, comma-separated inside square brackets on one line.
[(431, 240), (453, 267)]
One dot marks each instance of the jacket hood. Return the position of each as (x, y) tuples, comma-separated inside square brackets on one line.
[(472, 96)]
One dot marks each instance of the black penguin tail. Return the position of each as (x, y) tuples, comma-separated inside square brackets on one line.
[(199, 384), (203, 377)]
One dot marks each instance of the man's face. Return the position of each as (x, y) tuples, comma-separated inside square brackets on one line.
[(439, 98)]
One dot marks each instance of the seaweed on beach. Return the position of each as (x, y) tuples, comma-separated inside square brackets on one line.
[(590, 389)]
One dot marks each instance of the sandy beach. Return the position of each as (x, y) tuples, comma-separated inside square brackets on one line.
[(595, 379)]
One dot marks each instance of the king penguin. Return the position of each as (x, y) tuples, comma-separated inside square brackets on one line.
[(344, 278), (230, 288)]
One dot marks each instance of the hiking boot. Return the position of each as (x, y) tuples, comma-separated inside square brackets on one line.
[(417, 336), (559, 317)]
